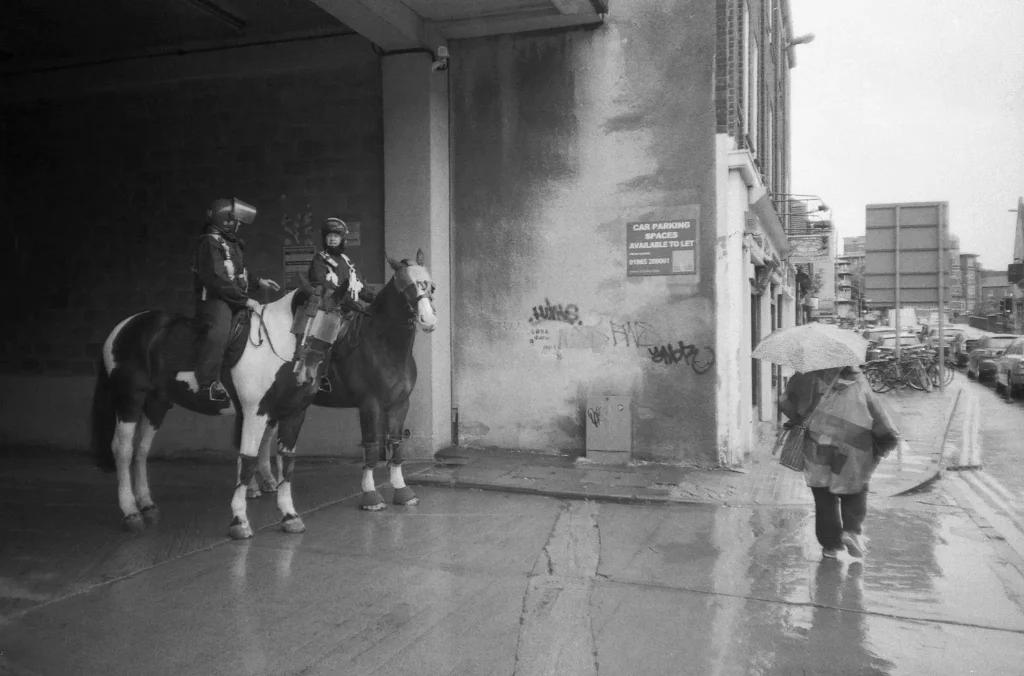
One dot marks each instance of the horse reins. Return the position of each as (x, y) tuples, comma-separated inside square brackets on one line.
[(412, 320), (263, 329)]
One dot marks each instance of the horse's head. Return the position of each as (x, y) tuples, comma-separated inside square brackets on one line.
[(414, 283)]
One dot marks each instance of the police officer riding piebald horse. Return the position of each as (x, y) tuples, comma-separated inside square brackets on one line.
[(222, 288), (153, 360), (337, 294)]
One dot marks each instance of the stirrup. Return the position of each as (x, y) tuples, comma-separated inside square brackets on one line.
[(325, 384), (215, 392)]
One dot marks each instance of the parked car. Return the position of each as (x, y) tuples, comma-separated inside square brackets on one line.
[(950, 334), (1010, 368), (981, 363), (873, 334), (965, 342), (886, 345)]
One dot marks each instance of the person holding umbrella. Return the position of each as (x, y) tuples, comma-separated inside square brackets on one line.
[(847, 431)]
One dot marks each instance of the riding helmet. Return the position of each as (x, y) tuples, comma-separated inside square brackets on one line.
[(335, 225), (227, 214)]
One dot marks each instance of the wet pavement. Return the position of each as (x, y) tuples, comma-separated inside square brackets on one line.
[(923, 418), (500, 581)]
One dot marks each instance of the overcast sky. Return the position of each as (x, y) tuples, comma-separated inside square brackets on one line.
[(913, 101)]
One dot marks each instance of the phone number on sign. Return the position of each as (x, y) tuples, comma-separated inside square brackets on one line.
[(650, 261)]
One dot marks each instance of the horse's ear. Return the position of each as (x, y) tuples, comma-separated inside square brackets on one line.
[(395, 265), (419, 256)]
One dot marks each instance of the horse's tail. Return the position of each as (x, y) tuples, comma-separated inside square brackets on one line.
[(103, 419)]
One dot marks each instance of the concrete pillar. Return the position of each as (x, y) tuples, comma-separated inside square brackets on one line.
[(416, 206), (732, 310)]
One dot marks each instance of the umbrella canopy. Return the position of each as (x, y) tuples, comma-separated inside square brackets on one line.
[(811, 347)]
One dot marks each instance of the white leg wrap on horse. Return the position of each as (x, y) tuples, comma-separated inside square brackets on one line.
[(284, 498), (397, 480), (142, 497), (238, 504), (123, 446), (368, 485)]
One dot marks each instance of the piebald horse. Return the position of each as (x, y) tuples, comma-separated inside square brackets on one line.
[(147, 368)]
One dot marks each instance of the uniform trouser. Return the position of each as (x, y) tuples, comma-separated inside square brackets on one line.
[(215, 317), (834, 514)]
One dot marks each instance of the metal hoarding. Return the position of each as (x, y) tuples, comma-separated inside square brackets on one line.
[(902, 243)]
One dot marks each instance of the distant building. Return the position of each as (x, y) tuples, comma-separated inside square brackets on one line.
[(995, 285), (955, 303), (1018, 259), (849, 277), (853, 246), (970, 281), (812, 236)]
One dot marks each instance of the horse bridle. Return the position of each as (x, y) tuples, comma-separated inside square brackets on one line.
[(426, 289)]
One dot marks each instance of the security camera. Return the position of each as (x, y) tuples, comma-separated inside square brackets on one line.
[(441, 60)]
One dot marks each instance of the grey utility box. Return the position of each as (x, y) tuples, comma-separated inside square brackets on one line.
[(609, 422)]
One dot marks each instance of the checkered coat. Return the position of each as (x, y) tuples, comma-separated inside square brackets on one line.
[(848, 430)]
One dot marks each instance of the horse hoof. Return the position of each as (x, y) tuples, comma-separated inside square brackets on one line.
[(133, 523), (239, 531), (253, 492), (292, 524), (405, 497), (151, 514), (264, 485), (372, 501)]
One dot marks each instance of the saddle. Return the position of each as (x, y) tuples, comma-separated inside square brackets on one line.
[(237, 336), (184, 336)]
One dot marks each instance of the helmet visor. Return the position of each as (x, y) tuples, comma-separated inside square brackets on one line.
[(242, 211)]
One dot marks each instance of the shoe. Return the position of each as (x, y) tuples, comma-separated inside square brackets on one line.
[(853, 544), (214, 392), (830, 553)]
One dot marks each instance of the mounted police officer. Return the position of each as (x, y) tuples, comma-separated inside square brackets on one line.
[(222, 287), (337, 293)]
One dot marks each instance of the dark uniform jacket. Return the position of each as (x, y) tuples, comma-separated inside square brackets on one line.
[(337, 288), (220, 270)]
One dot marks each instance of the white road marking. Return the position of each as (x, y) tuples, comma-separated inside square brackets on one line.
[(997, 487), (1005, 526), (993, 497)]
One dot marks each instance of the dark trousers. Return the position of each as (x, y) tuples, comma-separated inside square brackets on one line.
[(835, 513), (214, 315)]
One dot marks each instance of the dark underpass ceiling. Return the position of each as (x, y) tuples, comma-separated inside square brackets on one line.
[(34, 33)]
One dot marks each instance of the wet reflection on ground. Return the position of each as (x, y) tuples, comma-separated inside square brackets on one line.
[(473, 582)]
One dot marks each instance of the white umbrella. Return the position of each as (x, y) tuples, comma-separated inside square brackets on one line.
[(812, 347)]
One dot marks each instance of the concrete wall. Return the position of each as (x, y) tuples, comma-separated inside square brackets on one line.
[(105, 191), (558, 141)]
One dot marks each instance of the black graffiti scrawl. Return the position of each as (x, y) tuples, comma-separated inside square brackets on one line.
[(670, 354), (570, 314)]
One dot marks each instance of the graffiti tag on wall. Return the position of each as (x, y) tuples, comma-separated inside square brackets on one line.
[(570, 314), (633, 334), (670, 354)]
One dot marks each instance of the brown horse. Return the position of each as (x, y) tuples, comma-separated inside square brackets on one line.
[(373, 370)]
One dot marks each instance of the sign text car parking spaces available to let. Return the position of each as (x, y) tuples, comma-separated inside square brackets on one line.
[(661, 248)]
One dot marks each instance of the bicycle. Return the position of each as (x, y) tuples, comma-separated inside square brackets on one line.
[(933, 369), (888, 373)]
